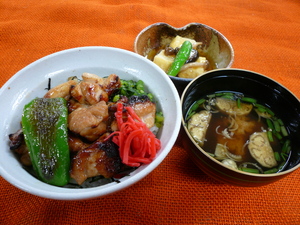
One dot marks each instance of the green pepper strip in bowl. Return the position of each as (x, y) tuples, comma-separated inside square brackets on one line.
[(180, 59)]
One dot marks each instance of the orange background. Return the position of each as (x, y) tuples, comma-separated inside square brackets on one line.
[(265, 36)]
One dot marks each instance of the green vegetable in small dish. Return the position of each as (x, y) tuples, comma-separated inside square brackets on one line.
[(180, 59)]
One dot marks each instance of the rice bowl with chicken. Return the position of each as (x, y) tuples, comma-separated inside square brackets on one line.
[(74, 75)]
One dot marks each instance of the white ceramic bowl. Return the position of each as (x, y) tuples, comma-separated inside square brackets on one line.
[(31, 81)]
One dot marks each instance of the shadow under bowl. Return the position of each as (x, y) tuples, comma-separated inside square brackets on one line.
[(285, 105), (215, 46)]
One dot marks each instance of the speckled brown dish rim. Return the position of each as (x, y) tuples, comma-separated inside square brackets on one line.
[(181, 28)]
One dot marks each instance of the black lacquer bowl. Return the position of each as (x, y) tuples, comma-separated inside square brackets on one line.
[(285, 105)]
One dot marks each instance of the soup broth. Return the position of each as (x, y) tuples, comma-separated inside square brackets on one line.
[(236, 127)]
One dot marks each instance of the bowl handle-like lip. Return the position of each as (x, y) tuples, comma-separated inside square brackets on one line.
[(163, 24), (145, 29)]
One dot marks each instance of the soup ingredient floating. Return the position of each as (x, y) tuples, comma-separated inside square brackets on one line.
[(239, 132)]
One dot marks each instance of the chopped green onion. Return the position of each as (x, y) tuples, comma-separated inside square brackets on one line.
[(270, 124), (270, 111), (227, 95), (239, 103), (270, 136), (281, 165), (249, 170), (197, 104), (288, 149), (140, 85), (194, 107), (285, 146), (259, 106), (150, 96), (277, 156), (280, 122), (276, 125), (284, 131), (159, 119), (274, 170), (284, 155), (278, 135), (190, 114), (250, 100), (261, 109), (116, 98), (217, 94)]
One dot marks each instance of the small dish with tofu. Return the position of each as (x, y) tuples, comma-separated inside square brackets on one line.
[(241, 127), (208, 49)]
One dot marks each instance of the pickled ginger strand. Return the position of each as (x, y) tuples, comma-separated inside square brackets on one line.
[(137, 144)]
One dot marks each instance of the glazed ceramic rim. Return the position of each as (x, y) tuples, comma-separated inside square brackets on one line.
[(180, 28), (285, 172)]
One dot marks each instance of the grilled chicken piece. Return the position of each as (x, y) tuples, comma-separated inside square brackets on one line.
[(93, 88), (61, 90), (101, 158), (89, 122), (75, 143), (144, 108), (111, 84), (93, 78), (88, 93), (17, 144)]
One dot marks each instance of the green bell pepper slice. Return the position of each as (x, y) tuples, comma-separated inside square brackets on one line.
[(45, 128), (180, 58)]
